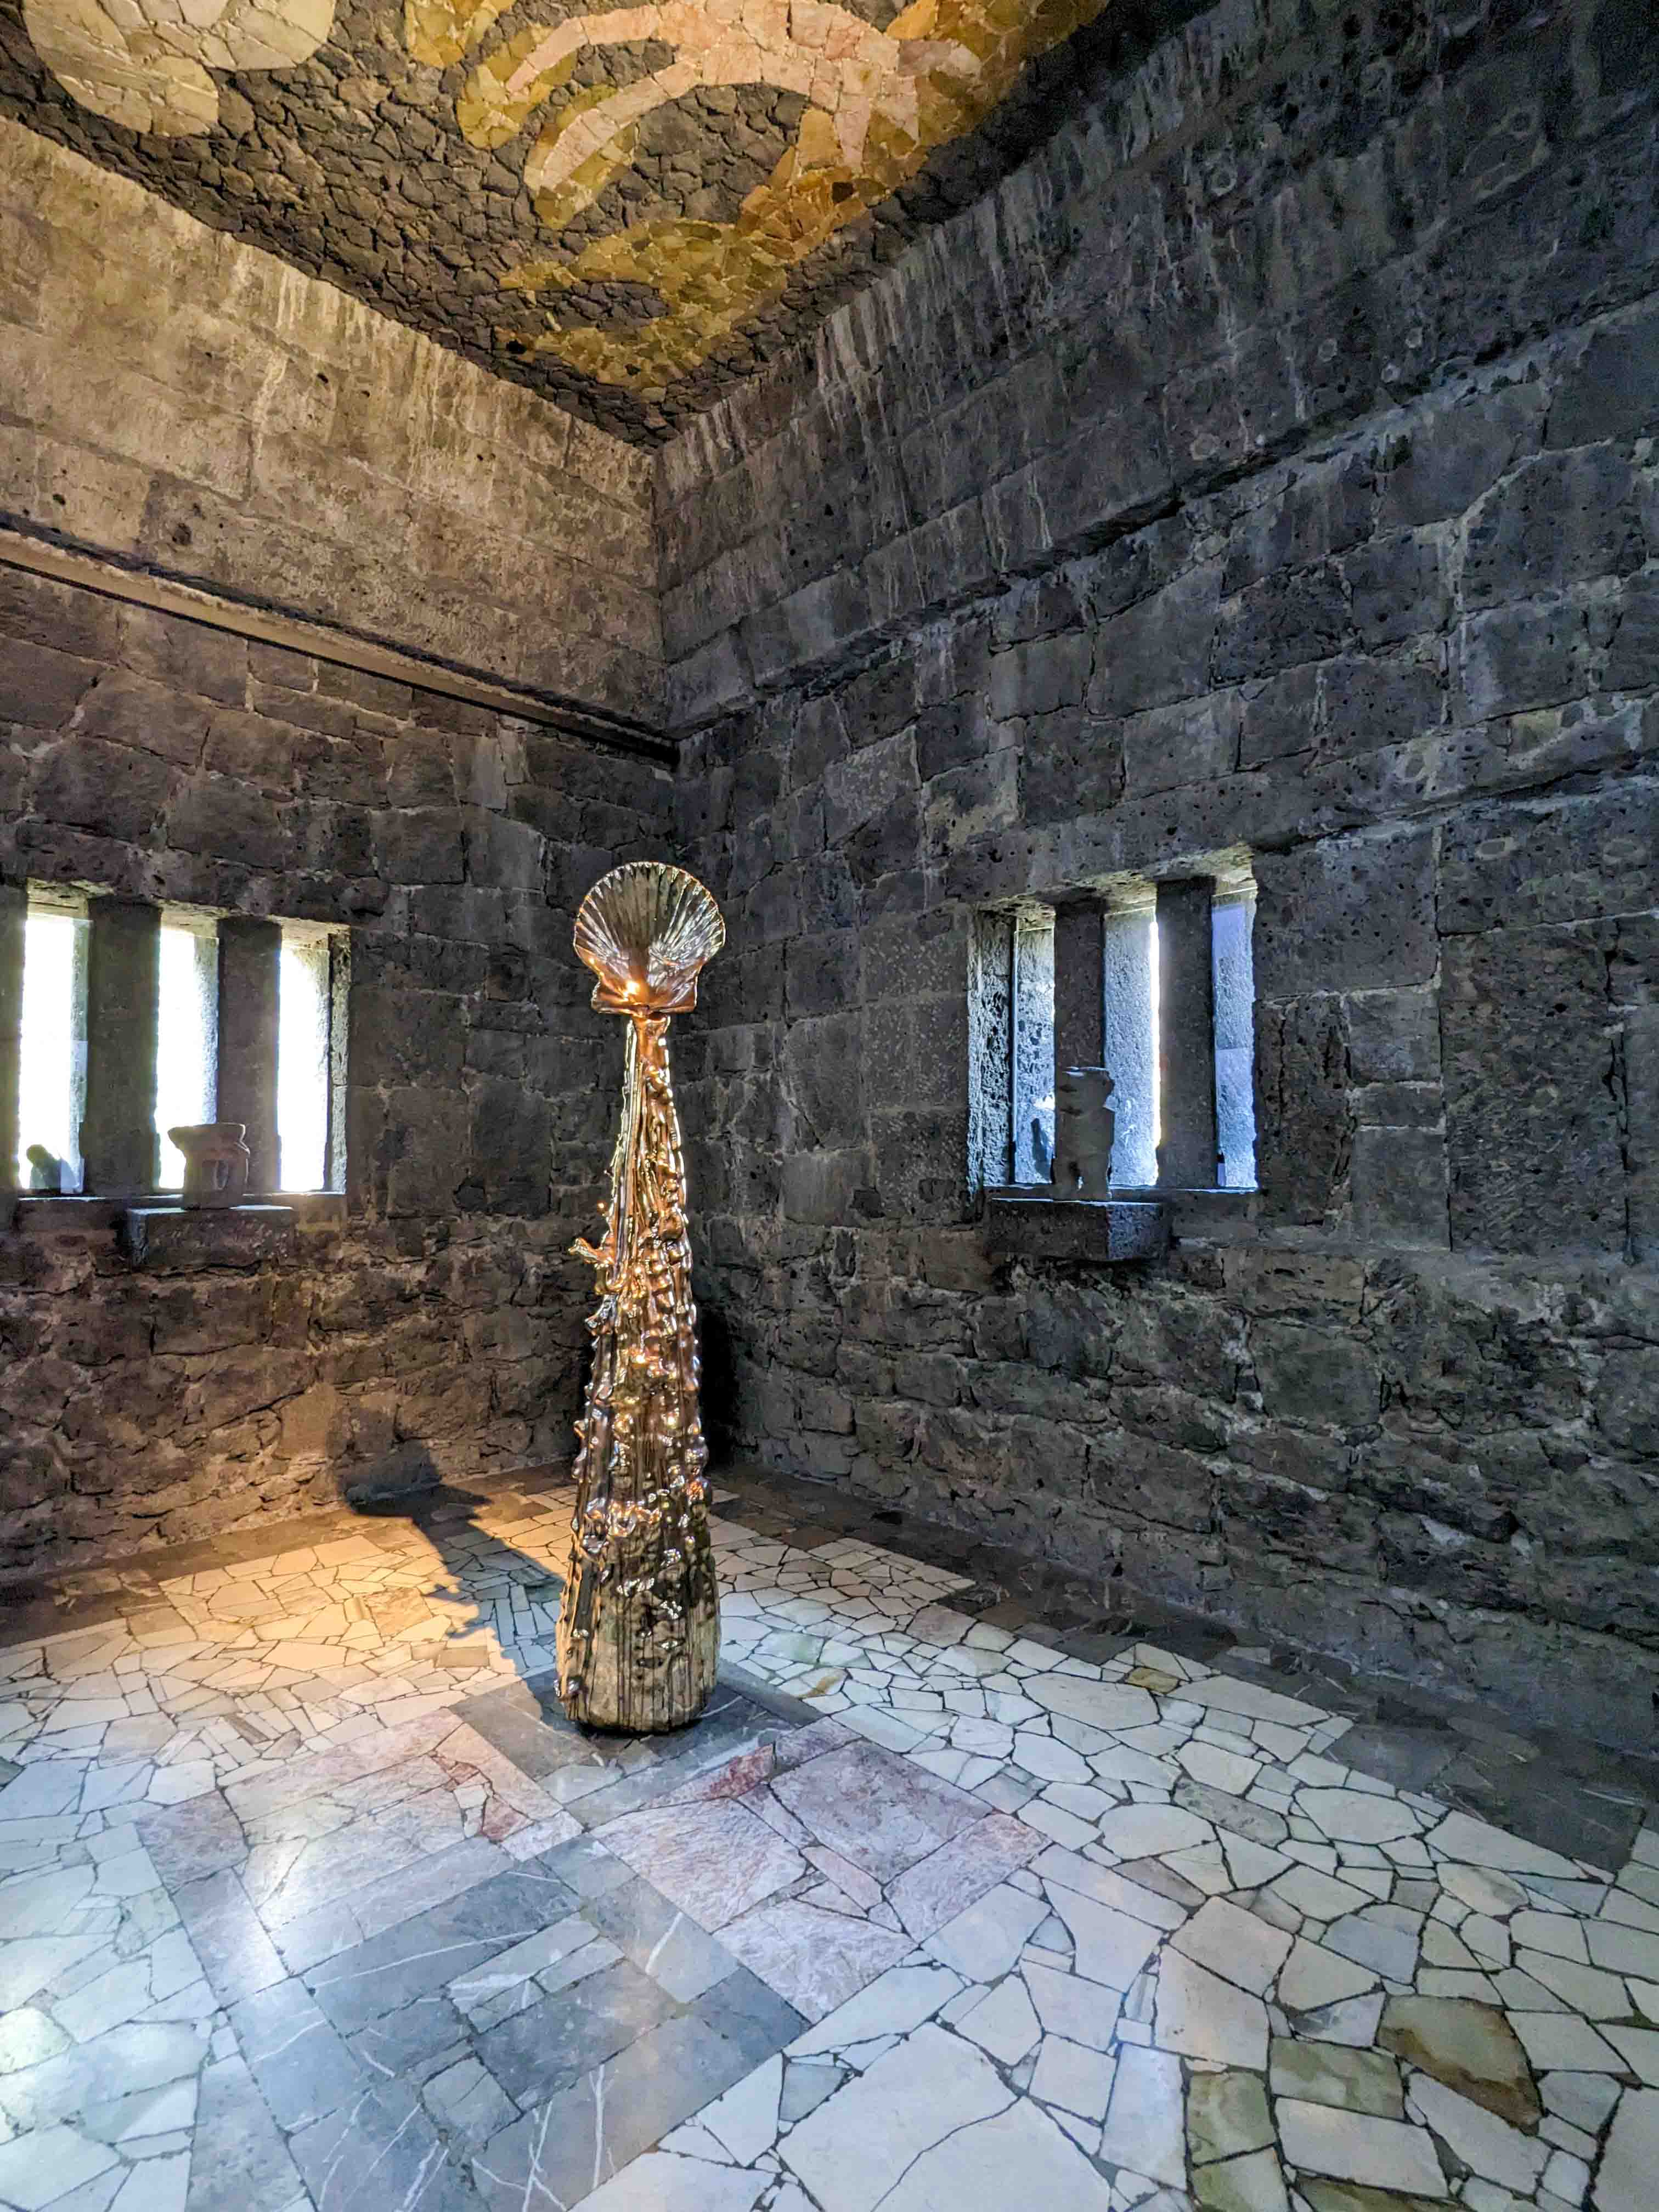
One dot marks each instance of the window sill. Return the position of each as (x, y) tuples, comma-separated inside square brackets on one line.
[(156, 1232), (1022, 1223), (169, 1236)]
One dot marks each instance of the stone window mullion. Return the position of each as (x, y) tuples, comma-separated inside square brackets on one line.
[(249, 957), (124, 976), (1187, 1154)]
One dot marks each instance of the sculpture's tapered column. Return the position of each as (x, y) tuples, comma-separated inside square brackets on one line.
[(639, 1628)]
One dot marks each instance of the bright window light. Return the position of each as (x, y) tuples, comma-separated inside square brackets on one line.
[(1232, 921), (1034, 1046), (1130, 954), (302, 1068), (52, 1084), (187, 1037)]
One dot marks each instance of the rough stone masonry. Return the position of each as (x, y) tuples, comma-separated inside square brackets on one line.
[(1269, 463)]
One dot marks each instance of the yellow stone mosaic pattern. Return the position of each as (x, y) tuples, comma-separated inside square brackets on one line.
[(880, 103), (145, 62)]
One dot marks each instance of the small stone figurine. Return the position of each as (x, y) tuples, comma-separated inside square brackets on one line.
[(1084, 1128), (215, 1162), (45, 1170)]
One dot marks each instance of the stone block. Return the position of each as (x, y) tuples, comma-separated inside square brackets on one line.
[(1070, 763), (130, 710), (185, 656), (80, 624), (1036, 678), (1633, 654), (1322, 510), (1314, 1376), (1626, 1398), (1267, 1511), (1395, 1105), (1196, 741), (878, 702), (1396, 588), (1279, 716), (1453, 454), (164, 1239), (1559, 519), (41, 687), (821, 973), (1397, 1186), (1437, 1562), (921, 1164), (824, 1187), (1188, 1154), (1640, 1043), (863, 787), (972, 801), (1103, 479), (1160, 649), (1302, 1132), (224, 819), (1393, 1037), (1348, 913), (1556, 858), (108, 789), (117, 1127), (1519, 657), (916, 1050), (823, 1072), (1151, 1482), (1295, 616), (1607, 388), (509, 1139), (420, 845), (1038, 1227), (1532, 1122), (1369, 702)]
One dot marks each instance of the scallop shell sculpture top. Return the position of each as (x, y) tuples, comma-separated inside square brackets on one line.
[(645, 930)]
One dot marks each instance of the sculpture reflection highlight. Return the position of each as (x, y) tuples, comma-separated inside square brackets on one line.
[(639, 1628)]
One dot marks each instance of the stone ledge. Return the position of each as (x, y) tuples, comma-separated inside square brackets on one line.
[(157, 1229), (50, 1215), (169, 1236), (1032, 1226)]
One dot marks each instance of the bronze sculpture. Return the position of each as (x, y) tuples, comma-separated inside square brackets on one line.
[(639, 1628)]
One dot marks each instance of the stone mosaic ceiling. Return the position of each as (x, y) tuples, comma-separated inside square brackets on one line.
[(627, 208)]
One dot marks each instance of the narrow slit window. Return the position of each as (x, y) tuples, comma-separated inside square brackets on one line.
[(187, 1033), (52, 1060), (1033, 1086), (304, 1006), (1184, 1120), (1232, 923), (1131, 952)]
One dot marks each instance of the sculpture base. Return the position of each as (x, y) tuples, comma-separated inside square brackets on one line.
[(631, 1666)]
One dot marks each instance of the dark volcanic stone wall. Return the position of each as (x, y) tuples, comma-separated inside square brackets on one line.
[(437, 1332), (1269, 463), (179, 401)]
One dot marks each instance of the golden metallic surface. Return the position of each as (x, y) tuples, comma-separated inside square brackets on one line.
[(879, 101), (639, 1629)]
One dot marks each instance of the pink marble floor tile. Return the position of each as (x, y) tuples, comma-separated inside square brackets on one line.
[(877, 1809), (950, 1880), (713, 1860), (816, 1959)]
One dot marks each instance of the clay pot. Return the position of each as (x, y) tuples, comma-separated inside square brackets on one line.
[(216, 1161)]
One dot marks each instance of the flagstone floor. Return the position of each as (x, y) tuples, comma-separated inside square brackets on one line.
[(309, 1896)]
